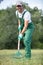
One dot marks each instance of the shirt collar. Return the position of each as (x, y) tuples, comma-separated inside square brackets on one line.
[(24, 11)]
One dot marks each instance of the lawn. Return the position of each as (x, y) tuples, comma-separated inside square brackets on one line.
[(7, 58)]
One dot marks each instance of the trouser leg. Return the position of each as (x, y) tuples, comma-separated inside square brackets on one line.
[(27, 42)]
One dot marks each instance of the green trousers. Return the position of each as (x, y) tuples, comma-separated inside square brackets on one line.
[(27, 42)]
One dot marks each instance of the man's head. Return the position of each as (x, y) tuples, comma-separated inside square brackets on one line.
[(19, 6)]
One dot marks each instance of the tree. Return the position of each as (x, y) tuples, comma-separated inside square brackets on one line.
[(9, 32), (1, 1)]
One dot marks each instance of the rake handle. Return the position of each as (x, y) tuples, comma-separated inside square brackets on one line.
[(19, 43)]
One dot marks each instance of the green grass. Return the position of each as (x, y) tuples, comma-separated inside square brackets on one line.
[(7, 58)]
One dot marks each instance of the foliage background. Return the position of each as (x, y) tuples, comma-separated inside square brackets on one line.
[(9, 31)]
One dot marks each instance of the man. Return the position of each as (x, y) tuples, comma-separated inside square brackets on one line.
[(25, 26)]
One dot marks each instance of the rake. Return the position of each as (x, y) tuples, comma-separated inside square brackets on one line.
[(18, 54)]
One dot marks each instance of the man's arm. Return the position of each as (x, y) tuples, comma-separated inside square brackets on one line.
[(27, 18), (19, 26), (18, 22), (25, 26)]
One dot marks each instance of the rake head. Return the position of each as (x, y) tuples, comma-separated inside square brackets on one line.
[(18, 55)]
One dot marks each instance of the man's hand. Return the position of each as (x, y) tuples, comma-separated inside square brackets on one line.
[(20, 36)]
